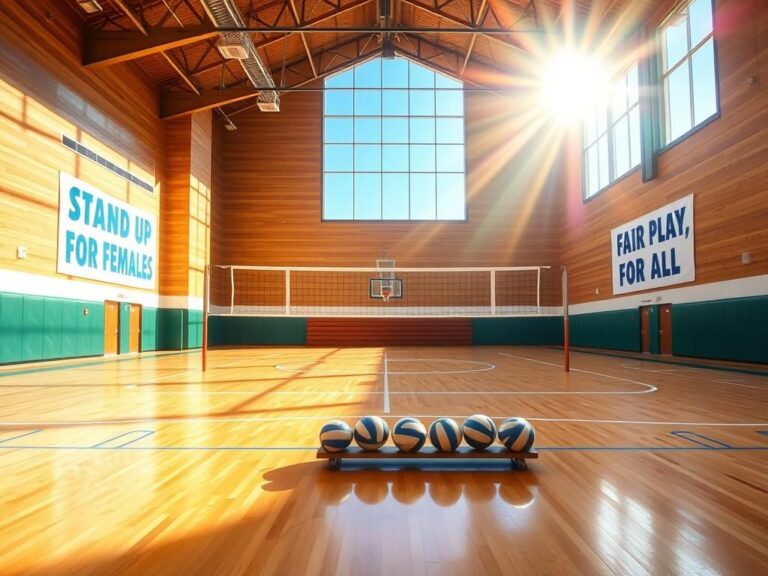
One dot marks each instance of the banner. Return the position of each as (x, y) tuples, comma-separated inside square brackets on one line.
[(103, 238), (655, 250)]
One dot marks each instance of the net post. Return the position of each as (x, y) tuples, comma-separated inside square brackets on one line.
[(231, 289), (538, 290), (206, 297), (493, 292), (566, 339), (287, 292)]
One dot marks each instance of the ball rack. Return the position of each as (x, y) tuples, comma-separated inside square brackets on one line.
[(517, 459)]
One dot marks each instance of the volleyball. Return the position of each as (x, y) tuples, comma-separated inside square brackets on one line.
[(445, 434), (479, 431), (335, 436), (371, 432), (517, 434), (409, 434)]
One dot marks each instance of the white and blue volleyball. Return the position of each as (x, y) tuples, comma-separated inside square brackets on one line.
[(335, 436), (479, 431), (371, 432), (445, 434), (409, 434), (517, 434)]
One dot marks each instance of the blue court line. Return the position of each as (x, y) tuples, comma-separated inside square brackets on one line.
[(20, 436), (686, 435), (720, 368), (23, 371), (144, 434), (702, 448)]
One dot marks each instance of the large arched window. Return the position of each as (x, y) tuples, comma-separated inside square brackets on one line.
[(393, 144)]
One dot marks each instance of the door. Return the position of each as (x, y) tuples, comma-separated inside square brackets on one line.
[(135, 328), (645, 328), (665, 328), (111, 330)]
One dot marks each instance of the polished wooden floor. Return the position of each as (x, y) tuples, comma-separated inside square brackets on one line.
[(147, 466)]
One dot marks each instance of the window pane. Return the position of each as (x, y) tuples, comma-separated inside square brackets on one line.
[(422, 103), (633, 93), (395, 73), (367, 158), (368, 130), (634, 136), (450, 197), (343, 80), (450, 158), (423, 130), (449, 103), (701, 20), (338, 102), (619, 98), (443, 81), (602, 120), (675, 40), (395, 130), (395, 197), (590, 128), (337, 198), (423, 197), (602, 150), (421, 77), (678, 103), (394, 103), (368, 102), (422, 158), (338, 130), (450, 130), (337, 157), (621, 146), (704, 82), (395, 158), (367, 196), (368, 75)]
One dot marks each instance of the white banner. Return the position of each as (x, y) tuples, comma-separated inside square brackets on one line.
[(655, 250), (103, 238)]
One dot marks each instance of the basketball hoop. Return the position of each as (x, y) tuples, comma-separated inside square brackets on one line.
[(386, 292)]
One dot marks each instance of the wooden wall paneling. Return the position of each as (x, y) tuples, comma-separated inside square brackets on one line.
[(389, 332), (724, 164), (44, 93)]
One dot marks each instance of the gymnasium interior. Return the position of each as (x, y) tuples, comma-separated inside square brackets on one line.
[(236, 232)]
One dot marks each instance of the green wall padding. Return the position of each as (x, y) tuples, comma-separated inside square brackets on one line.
[(193, 333), (734, 329), (148, 329), (242, 330), (614, 330), (125, 327), (170, 329), (36, 328), (531, 331)]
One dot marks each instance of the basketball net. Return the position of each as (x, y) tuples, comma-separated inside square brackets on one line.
[(386, 292)]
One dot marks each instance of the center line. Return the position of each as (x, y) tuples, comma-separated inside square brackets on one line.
[(386, 385)]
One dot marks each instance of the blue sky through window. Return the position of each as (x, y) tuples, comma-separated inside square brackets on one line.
[(393, 149)]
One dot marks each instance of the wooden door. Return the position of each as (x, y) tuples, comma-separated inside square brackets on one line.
[(135, 328), (645, 328), (665, 328), (111, 327)]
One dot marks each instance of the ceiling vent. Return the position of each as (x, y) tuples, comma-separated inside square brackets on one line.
[(90, 6), (232, 50)]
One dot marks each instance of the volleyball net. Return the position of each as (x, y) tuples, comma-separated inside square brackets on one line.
[(385, 291)]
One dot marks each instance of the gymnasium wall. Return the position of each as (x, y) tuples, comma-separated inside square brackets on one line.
[(725, 166), (271, 199), (45, 93)]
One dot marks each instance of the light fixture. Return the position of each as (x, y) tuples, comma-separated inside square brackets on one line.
[(90, 6), (232, 50)]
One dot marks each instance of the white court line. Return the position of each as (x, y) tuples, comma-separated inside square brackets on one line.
[(350, 416), (649, 387), (485, 367), (386, 385)]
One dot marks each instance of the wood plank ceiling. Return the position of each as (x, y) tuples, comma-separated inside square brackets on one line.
[(175, 44)]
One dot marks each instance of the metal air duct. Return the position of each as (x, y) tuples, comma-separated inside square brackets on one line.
[(224, 14)]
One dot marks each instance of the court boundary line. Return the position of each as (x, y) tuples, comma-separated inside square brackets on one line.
[(489, 366)]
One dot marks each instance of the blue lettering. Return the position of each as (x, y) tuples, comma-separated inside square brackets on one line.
[(70, 243), (74, 211), (125, 224), (98, 219), (113, 213), (87, 198)]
